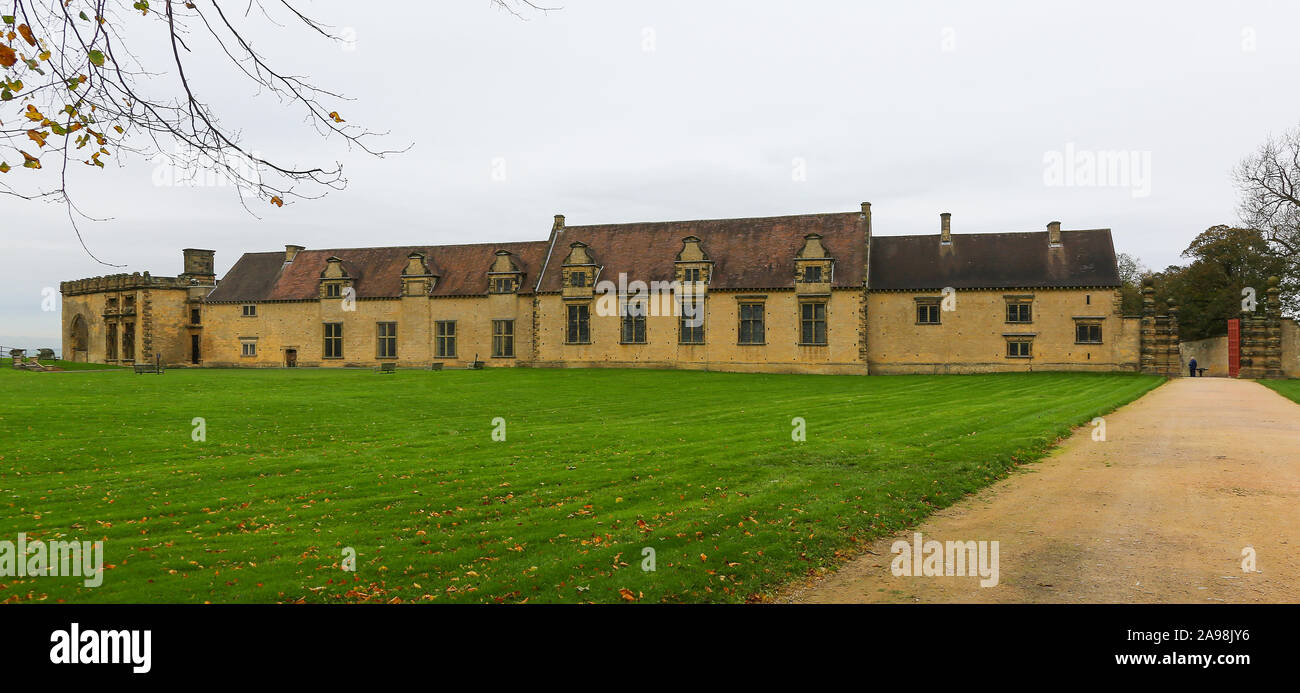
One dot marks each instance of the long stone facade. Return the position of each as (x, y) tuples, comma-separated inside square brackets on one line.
[(815, 293)]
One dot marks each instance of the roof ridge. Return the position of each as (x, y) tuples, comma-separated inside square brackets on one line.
[(699, 221)]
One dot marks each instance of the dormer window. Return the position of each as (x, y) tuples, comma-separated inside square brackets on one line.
[(813, 267), (417, 278), (334, 278), (505, 276), (578, 279)]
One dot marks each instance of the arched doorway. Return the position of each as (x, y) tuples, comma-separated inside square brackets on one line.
[(78, 339)]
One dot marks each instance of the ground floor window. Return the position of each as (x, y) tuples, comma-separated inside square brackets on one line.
[(248, 347), (812, 323), (578, 329), (128, 341), (752, 329), (633, 323), (333, 340), (444, 341), (110, 342), (1020, 348), (503, 338), (1087, 332), (691, 324), (386, 346)]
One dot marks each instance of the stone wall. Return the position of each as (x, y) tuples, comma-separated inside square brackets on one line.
[(972, 336)]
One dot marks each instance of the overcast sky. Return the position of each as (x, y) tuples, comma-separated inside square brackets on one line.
[(618, 112)]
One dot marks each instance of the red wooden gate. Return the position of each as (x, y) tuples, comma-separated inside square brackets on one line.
[(1234, 347)]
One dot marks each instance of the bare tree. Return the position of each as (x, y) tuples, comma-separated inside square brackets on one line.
[(1269, 181), (74, 90)]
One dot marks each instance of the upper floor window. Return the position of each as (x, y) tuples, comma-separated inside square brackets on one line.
[(386, 336), (578, 329), (812, 322), (927, 311), (1020, 311), (333, 290), (249, 312), (578, 279), (692, 275), (503, 285), (195, 315), (752, 330), (333, 340), (812, 274)]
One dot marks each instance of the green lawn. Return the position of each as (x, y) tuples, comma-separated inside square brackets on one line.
[(596, 466), (1287, 388)]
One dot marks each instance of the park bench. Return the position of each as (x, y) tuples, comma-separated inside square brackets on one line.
[(142, 368), (435, 366), (388, 367)]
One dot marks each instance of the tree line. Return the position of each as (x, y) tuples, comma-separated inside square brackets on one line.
[(1225, 259)]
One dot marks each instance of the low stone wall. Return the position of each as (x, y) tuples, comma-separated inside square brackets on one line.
[(1210, 354), (1290, 348)]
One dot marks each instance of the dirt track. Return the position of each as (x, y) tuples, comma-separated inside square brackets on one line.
[(1188, 476)]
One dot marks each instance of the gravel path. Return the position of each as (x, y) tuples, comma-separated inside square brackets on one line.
[(1188, 476)]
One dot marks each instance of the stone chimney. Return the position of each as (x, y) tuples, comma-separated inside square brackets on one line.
[(559, 222), (945, 228), (1054, 233), (199, 265), (291, 251)]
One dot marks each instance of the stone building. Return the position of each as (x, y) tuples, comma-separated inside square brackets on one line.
[(812, 293)]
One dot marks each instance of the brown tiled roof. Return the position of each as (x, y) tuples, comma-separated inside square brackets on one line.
[(753, 253), (993, 260), (376, 272)]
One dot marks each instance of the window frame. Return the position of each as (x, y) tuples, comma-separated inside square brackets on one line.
[(760, 322), (503, 338), (637, 322), (247, 347), (1090, 324), (1028, 343), (814, 321), (328, 338), (1017, 305), (684, 330), (441, 338), (381, 339), (932, 307), (575, 331), (249, 310)]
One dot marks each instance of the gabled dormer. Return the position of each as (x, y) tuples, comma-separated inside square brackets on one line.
[(417, 278), (504, 276), (334, 278), (813, 267), (579, 270), (692, 268)]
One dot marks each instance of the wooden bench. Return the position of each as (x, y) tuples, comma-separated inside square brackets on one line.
[(435, 366), (389, 367), (141, 368)]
